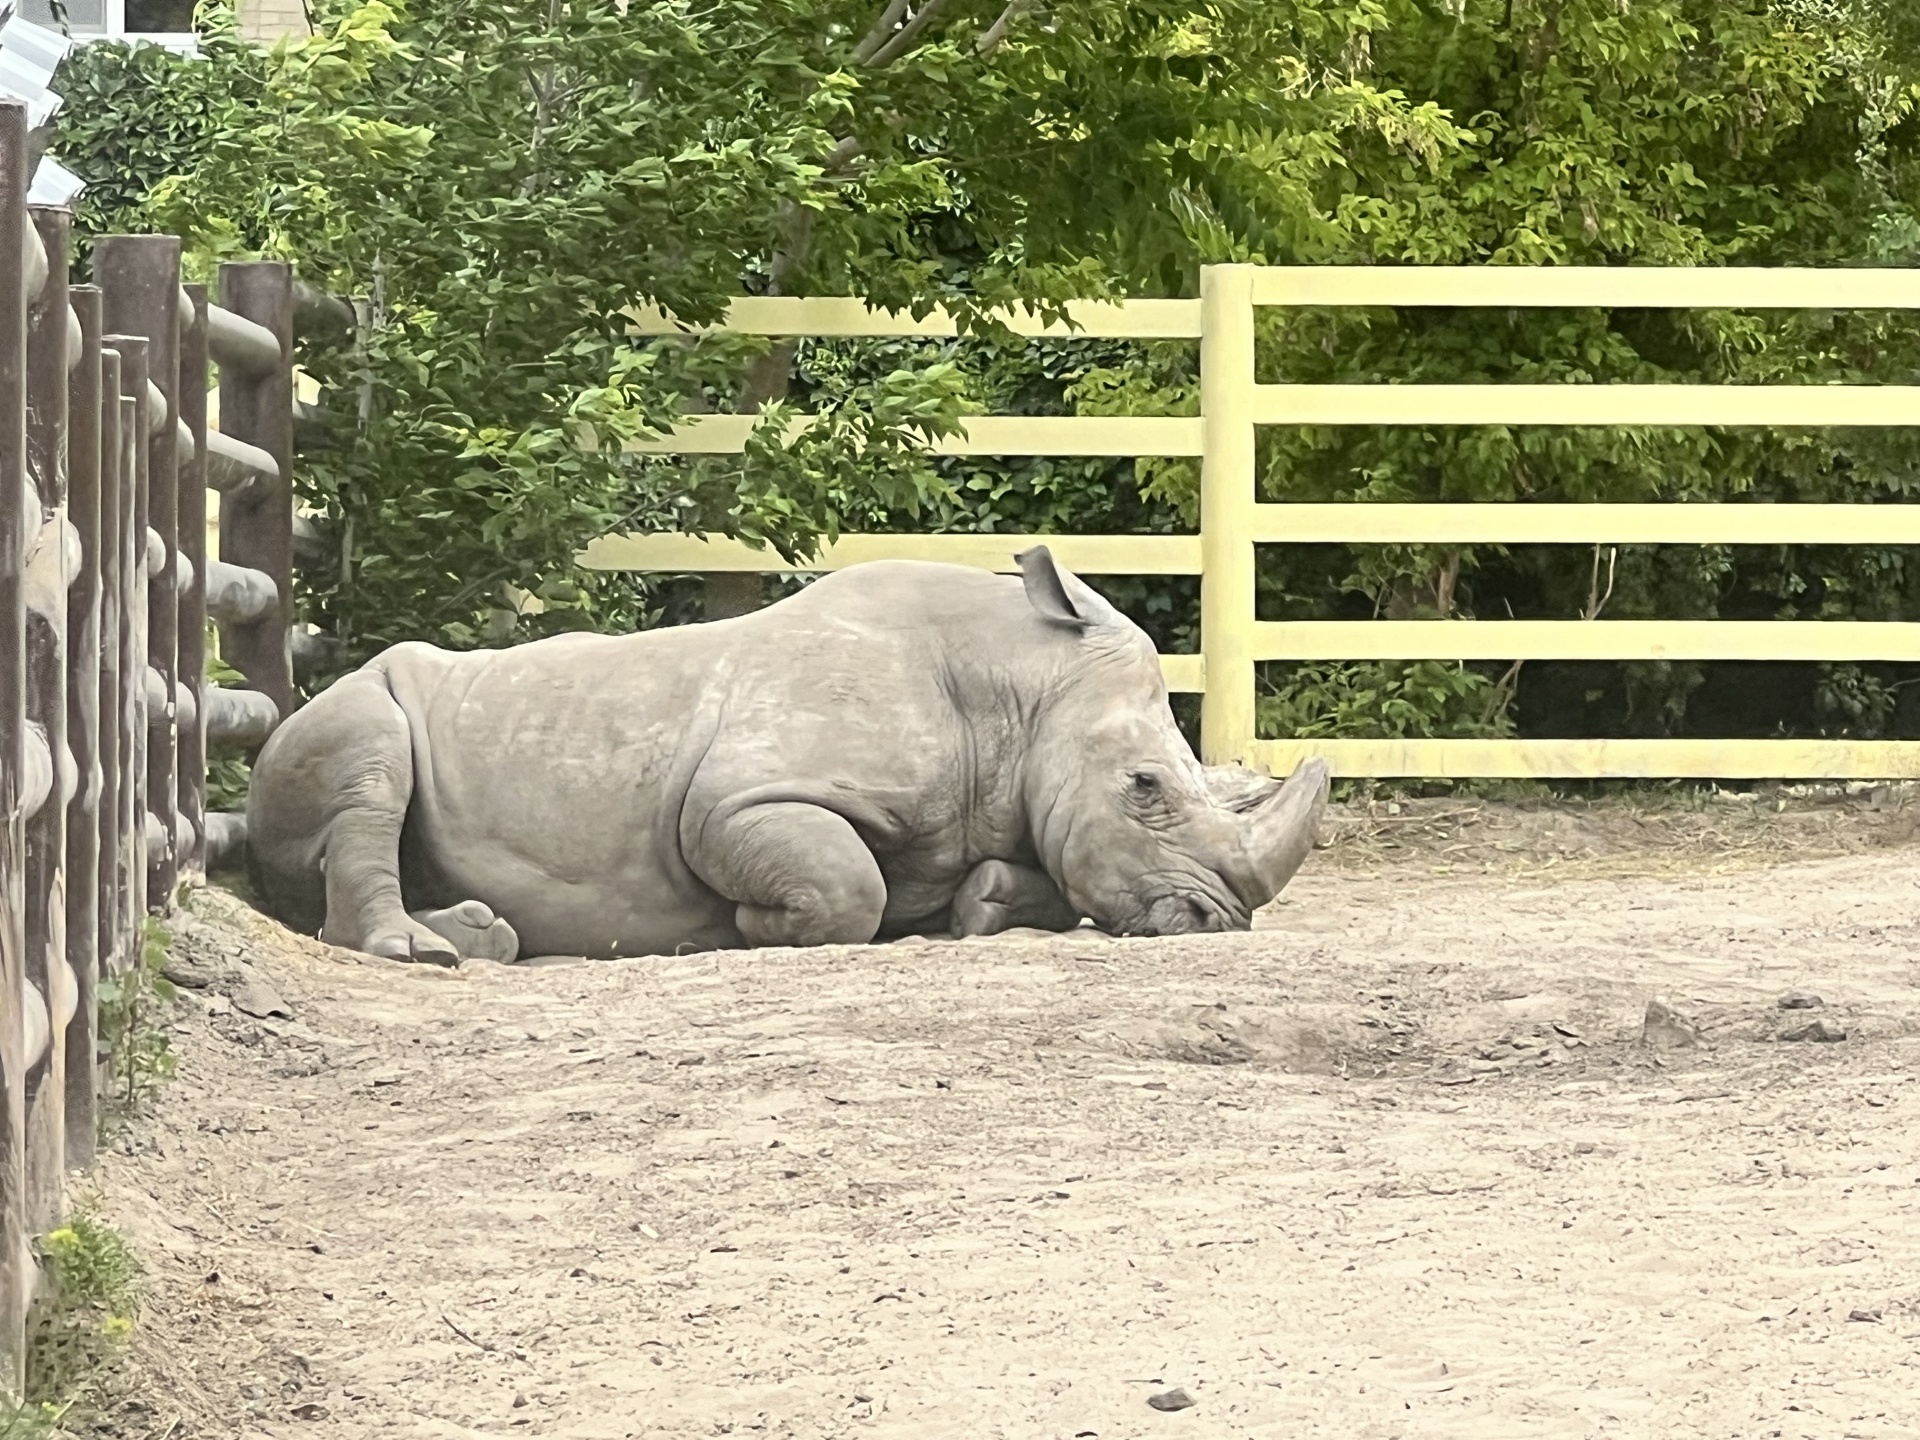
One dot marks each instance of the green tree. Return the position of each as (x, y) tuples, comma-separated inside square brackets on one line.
[(506, 181)]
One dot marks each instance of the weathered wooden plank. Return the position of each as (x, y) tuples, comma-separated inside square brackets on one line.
[(830, 316), (256, 525), (192, 542), (1839, 640), (677, 554), (47, 663), (15, 533), (83, 724), (1664, 405), (1601, 759), (1118, 435), (139, 277), (1227, 494), (1679, 523), (1184, 674), (1583, 286)]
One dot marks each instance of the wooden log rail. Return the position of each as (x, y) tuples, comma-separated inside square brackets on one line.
[(106, 589)]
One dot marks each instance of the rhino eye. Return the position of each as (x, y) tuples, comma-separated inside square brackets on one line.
[(1144, 785)]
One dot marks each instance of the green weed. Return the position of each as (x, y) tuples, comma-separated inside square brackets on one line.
[(132, 1010)]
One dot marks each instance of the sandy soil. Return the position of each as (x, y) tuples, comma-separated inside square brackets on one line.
[(1407, 1160)]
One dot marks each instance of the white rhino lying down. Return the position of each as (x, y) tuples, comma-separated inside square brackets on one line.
[(898, 748)]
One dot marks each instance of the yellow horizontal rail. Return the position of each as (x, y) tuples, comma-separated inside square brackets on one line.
[(1678, 523), (1585, 640), (1586, 404), (677, 554), (1601, 759), (1184, 674), (1579, 286), (982, 435), (835, 316)]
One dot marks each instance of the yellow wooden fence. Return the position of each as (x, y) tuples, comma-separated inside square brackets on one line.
[(1233, 521)]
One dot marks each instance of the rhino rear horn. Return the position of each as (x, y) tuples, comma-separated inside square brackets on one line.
[(1283, 826), (1047, 589)]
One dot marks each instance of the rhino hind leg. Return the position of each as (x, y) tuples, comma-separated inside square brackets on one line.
[(473, 930), (798, 874), (999, 895)]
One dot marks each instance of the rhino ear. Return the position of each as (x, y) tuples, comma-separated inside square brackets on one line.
[(1047, 589)]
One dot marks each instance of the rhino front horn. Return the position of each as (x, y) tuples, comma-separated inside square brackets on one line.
[(1284, 825)]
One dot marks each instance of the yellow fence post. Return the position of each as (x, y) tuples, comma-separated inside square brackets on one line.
[(1226, 512)]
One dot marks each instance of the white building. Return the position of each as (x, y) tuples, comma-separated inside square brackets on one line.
[(164, 22)]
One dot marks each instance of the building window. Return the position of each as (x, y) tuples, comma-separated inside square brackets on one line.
[(164, 22)]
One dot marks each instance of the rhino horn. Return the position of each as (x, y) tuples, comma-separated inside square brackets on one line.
[(1282, 827)]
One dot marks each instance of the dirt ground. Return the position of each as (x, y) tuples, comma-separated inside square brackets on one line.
[(1409, 1159)]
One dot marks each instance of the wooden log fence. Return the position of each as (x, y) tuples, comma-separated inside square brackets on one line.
[(106, 591)]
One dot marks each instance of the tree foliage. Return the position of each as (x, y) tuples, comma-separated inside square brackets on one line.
[(506, 181)]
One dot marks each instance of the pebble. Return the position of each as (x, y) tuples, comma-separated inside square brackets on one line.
[(1821, 1030), (1663, 1028), (1801, 1000), (1175, 1399), (253, 996)]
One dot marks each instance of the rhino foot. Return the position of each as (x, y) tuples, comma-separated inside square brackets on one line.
[(472, 931), (413, 942)]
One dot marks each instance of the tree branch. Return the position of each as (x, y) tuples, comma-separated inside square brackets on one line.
[(995, 34), (837, 158), (882, 28), (907, 36)]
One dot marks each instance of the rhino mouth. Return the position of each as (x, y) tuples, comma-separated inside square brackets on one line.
[(1181, 912)]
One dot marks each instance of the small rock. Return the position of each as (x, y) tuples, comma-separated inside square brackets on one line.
[(1866, 1317), (1824, 1031), (253, 996), (189, 972), (1664, 1028), (310, 1411), (1175, 1399), (1801, 1000), (519, 1401)]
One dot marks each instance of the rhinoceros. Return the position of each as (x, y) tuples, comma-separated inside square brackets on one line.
[(898, 748)]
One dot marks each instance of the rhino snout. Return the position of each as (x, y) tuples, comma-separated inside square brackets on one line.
[(1181, 912)]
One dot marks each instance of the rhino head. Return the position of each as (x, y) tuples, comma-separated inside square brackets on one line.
[(1139, 835)]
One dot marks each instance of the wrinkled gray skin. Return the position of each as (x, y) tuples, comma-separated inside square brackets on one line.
[(897, 749)]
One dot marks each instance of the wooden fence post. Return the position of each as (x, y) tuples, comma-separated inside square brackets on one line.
[(130, 861), (16, 1263), (84, 689), (192, 404), (256, 525), (48, 579), (139, 278), (1227, 721)]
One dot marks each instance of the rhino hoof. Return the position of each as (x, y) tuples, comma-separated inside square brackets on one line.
[(473, 931), (415, 944)]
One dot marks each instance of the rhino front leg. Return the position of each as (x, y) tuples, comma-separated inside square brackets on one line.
[(998, 895), (799, 874)]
